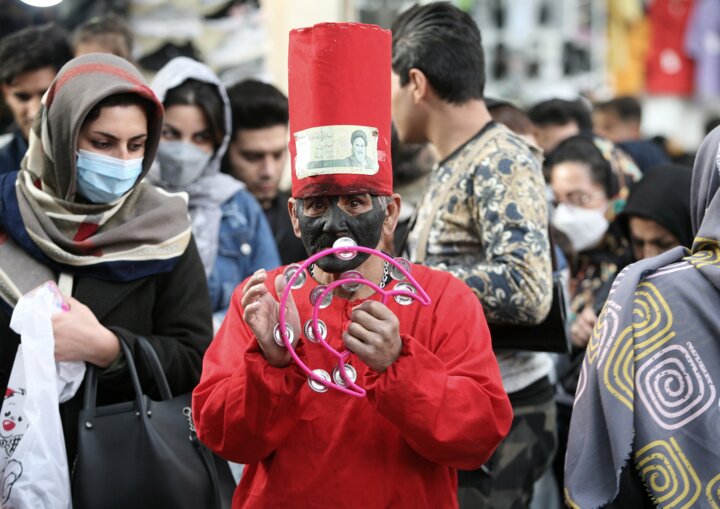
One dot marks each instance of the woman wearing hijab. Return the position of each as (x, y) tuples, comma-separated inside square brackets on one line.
[(647, 401), (591, 181), (79, 212), (230, 228), (656, 217)]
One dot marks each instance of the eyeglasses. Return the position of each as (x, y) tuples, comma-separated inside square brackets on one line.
[(579, 198)]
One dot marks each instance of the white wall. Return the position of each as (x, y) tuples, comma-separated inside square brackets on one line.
[(281, 16)]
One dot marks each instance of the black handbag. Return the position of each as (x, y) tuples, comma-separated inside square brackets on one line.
[(550, 335), (144, 453)]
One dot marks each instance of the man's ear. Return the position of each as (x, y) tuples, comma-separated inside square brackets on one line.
[(419, 85), (392, 213), (293, 216), (5, 91)]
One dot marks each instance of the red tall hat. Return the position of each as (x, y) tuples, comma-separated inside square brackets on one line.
[(339, 94)]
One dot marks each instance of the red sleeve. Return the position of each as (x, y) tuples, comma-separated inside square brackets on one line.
[(244, 408), (449, 404)]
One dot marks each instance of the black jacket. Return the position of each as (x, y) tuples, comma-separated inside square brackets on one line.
[(171, 310)]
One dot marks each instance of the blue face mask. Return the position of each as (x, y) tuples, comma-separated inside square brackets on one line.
[(103, 179)]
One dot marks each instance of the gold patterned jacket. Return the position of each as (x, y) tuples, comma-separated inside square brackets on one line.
[(484, 219)]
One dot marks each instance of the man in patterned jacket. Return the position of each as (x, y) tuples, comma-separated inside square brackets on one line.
[(484, 219)]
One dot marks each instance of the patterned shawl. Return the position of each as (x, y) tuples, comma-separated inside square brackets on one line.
[(144, 232), (212, 189), (648, 390)]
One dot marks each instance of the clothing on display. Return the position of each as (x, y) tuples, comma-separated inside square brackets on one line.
[(702, 43), (669, 69)]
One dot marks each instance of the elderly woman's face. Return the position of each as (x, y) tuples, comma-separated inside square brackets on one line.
[(359, 149), (119, 131), (572, 183)]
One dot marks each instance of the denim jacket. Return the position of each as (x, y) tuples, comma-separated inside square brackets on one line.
[(245, 245)]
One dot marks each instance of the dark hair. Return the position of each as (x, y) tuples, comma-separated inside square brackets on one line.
[(561, 112), (627, 108), (256, 105), (110, 29), (31, 49), (206, 97), (445, 44), (511, 116), (126, 99), (581, 149)]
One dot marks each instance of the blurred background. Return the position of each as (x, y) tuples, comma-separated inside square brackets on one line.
[(657, 50)]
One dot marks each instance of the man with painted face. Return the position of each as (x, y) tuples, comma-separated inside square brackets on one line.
[(435, 401)]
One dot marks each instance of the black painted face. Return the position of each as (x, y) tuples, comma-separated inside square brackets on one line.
[(320, 231)]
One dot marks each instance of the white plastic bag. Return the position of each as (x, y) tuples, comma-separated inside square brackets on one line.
[(32, 448)]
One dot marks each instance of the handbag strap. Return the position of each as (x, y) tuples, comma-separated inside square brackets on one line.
[(91, 380), (155, 365)]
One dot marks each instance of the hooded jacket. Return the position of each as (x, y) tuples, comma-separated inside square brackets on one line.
[(229, 225)]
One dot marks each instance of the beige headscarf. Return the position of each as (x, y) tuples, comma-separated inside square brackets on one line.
[(142, 233)]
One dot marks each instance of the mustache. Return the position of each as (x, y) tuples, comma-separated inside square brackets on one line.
[(326, 240)]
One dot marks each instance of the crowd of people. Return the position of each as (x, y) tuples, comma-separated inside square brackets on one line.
[(157, 208)]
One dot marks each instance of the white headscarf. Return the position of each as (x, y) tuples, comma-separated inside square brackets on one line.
[(212, 188)]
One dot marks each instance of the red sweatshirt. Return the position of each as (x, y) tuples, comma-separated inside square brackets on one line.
[(439, 407)]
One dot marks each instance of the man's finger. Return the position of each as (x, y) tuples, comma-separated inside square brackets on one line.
[(376, 309), (356, 346), (253, 294), (360, 333), (258, 277), (280, 285), (366, 320)]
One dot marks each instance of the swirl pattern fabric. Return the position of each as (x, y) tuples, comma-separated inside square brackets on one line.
[(648, 393)]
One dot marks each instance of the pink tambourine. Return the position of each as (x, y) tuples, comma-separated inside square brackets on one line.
[(343, 375)]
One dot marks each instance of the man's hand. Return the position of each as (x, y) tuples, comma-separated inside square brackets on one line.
[(374, 335), (261, 315), (582, 327)]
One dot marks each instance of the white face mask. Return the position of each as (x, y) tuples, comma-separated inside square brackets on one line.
[(584, 227)]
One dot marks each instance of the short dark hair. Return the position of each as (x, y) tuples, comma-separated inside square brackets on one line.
[(582, 149), (31, 49), (627, 108), (561, 112), (205, 96), (111, 28), (445, 44), (256, 105), (511, 116)]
